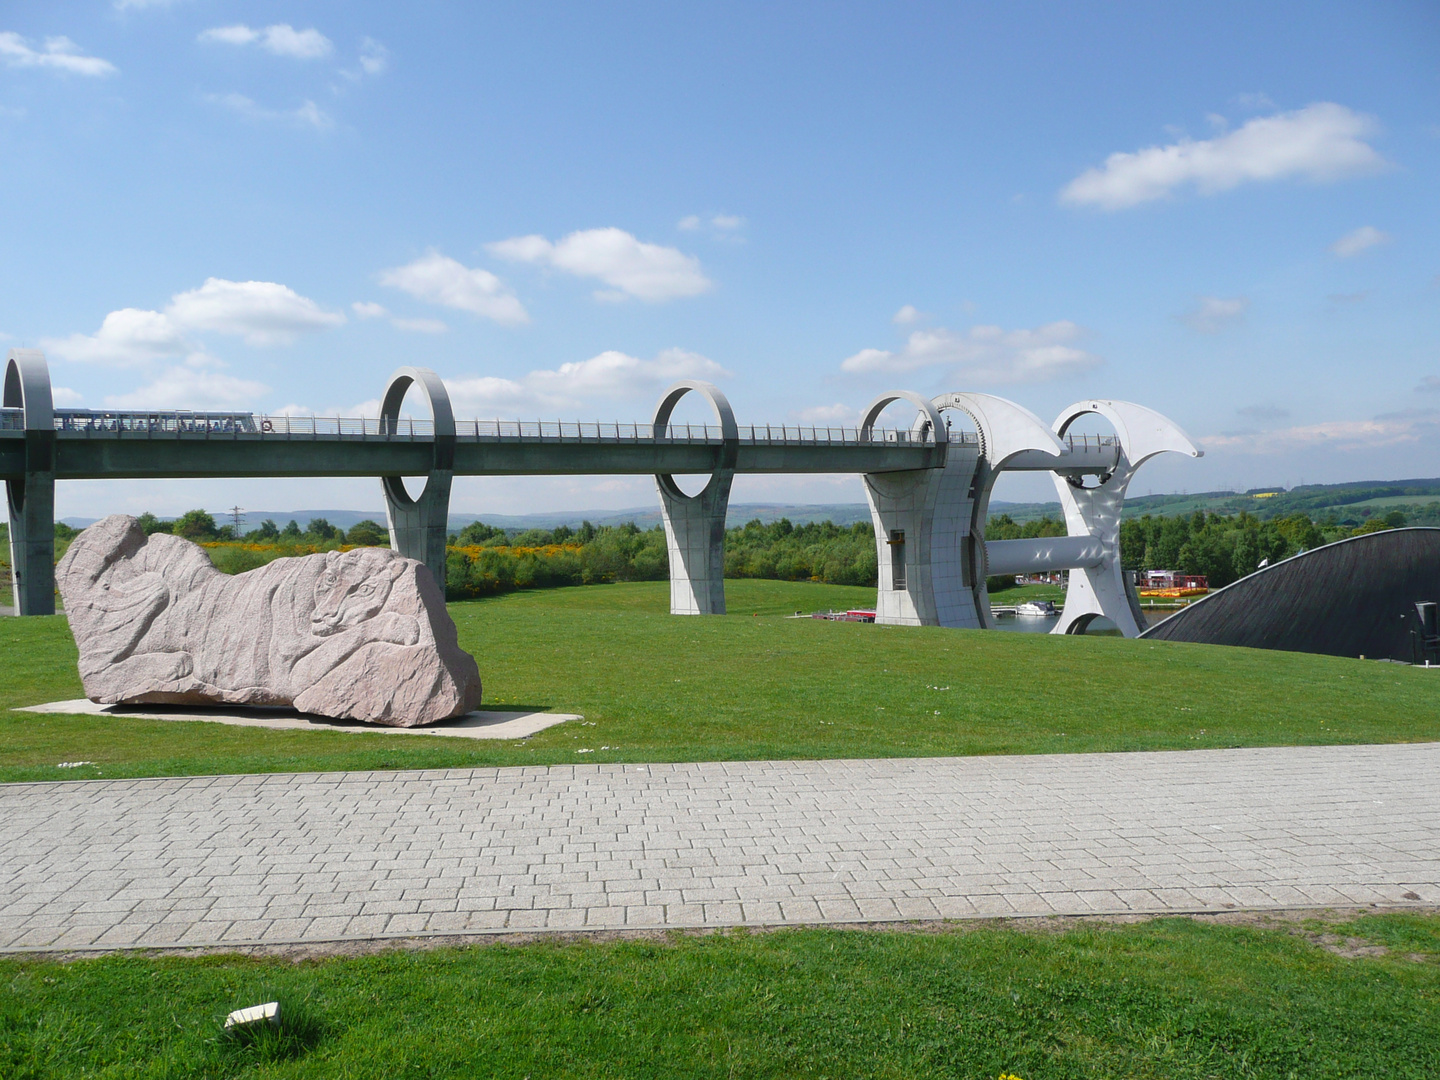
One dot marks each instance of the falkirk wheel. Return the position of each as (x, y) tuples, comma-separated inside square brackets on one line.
[(928, 486)]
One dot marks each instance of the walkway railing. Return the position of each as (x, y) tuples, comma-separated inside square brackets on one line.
[(12, 419), (231, 425)]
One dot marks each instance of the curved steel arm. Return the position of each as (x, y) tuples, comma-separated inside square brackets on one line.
[(1143, 432), (1006, 429), (439, 398)]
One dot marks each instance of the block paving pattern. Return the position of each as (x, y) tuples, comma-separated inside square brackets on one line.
[(313, 857)]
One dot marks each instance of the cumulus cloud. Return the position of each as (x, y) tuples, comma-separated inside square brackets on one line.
[(906, 315), (64, 397), (191, 386), (374, 57), (1211, 314), (58, 54), (613, 375), (366, 310), (630, 266), (1391, 429), (282, 39), (1320, 142), (261, 312), (439, 279), (1361, 239), (307, 115), (985, 355)]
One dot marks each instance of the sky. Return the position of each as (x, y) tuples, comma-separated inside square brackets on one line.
[(1226, 212)]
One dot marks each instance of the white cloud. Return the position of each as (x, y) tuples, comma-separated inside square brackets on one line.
[(1393, 429), (367, 310), (127, 337), (374, 57), (187, 386), (1353, 243), (307, 115), (727, 222), (59, 54), (906, 315), (64, 397), (282, 39), (688, 223), (420, 326), (140, 5), (1211, 314), (439, 279), (1320, 142), (985, 355), (262, 312), (613, 375), (632, 267)]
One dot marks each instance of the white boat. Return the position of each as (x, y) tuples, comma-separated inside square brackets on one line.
[(1036, 608)]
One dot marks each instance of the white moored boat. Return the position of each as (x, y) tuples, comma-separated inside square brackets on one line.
[(1038, 608)]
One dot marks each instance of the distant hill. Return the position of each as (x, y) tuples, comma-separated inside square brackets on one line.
[(1349, 503)]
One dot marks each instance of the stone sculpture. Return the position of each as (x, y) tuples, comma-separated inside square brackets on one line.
[(359, 635)]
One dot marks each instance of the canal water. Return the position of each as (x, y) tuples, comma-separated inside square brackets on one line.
[(1027, 624)]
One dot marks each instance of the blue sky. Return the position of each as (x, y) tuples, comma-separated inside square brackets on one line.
[(1227, 212)]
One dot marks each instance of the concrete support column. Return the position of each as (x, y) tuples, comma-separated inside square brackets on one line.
[(695, 524), (922, 520), (1101, 589), (31, 500), (418, 525)]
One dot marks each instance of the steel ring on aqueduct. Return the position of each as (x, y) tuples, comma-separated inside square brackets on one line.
[(925, 405), (729, 430), (439, 397)]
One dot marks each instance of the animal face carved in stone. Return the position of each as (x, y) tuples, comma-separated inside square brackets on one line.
[(352, 590)]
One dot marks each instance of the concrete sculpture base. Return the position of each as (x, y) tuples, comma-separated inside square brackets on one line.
[(362, 635)]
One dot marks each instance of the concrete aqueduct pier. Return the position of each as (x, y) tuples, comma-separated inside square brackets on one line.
[(928, 485)]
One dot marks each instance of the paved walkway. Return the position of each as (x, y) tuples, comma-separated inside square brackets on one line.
[(293, 858)]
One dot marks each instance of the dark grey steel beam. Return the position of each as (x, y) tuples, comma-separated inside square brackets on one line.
[(81, 457)]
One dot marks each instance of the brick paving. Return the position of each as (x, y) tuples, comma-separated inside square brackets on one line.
[(318, 857)]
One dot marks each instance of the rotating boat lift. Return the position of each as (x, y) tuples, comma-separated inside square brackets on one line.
[(928, 486)]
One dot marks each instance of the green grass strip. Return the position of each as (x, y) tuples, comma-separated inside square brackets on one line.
[(753, 685), (1171, 999)]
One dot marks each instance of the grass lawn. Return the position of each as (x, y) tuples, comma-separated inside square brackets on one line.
[(754, 685), (1169, 999)]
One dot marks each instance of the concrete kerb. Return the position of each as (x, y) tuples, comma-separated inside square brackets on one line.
[(315, 948)]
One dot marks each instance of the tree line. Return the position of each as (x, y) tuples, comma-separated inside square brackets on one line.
[(483, 560)]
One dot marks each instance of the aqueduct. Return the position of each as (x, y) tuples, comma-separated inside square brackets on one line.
[(928, 486)]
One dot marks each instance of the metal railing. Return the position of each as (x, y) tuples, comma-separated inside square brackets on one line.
[(1088, 442), (231, 425), (12, 419)]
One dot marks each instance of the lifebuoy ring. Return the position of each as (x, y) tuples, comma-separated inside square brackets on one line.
[(266, 425)]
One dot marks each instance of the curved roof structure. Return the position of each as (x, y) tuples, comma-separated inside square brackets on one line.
[(1355, 597)]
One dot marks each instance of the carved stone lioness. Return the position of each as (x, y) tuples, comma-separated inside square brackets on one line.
[(360, 635)]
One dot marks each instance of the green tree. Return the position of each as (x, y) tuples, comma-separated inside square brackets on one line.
[(322, 530), (291, 531), (368, 533), (150, 524), (195, 525), (265, 533)]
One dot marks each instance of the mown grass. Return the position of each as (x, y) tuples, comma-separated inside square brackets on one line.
[(754, 685), (1171, 999)]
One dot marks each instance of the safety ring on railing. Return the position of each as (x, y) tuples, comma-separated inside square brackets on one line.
[(266, 425)]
